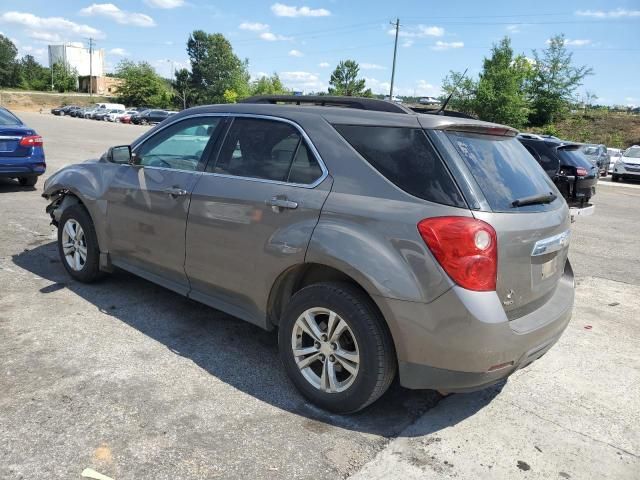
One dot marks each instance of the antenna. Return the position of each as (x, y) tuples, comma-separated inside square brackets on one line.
[(455, 87)]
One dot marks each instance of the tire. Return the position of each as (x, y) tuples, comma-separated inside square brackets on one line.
[(28, 181), (86, 271), (615, 178), (143, 122), (365, 336)]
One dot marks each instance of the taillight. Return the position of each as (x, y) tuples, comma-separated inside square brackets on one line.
[(466, 248), (31, 141), (581, 172)]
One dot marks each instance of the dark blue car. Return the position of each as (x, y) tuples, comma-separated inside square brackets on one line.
[(21, 152)]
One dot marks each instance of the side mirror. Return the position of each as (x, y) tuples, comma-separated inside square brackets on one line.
[(120, 154)]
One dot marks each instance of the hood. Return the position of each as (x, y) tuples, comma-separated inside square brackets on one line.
[(630, 160)]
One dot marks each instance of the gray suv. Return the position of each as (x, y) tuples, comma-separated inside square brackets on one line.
[(378, 241)]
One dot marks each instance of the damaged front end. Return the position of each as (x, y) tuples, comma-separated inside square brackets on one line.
[(58, 202)]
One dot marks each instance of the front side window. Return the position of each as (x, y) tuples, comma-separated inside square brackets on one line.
[(7, 118), (179, 146), (266, 149)]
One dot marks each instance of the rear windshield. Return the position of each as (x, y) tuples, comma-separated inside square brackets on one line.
[(503, 168), (633, 152), (573, 157), (406, 158), (590, 150), (7, 118)]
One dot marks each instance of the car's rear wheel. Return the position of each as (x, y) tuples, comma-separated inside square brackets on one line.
[(28, 181), (335, 347), (615, 178), (78, 244)]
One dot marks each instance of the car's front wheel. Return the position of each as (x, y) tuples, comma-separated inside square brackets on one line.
[(78, 244), (615, 178), (335, 347)]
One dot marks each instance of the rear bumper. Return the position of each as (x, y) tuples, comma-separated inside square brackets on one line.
[(33, 165), (463, 341)]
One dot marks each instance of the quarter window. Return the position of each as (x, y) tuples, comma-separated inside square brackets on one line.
[(179, 146), (267, 149)]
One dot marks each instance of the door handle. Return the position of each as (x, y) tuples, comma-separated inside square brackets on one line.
[(278, 204), (175, 192)]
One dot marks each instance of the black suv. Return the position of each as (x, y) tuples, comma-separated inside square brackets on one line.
[(566, 165), (148, 117)]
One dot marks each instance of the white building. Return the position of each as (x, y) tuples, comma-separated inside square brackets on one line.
[(78, 57)]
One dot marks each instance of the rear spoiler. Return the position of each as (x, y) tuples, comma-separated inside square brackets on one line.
[(497, 130)]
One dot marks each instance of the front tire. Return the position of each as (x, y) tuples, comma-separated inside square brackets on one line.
[(615, 178), (335, 347), (78, 244)]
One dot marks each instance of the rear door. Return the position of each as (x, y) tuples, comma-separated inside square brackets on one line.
[(147, 204), (252, 214), (533, 240)]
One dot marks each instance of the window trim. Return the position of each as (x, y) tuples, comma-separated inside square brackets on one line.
[(213, 155)]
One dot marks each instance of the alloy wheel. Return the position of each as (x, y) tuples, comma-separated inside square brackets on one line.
[(325, 350), (74, 245)]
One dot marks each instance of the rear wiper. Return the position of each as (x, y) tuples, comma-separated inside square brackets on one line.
[(534, 199)]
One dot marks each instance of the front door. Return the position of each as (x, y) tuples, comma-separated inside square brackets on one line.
[(252, 215), (148, 203)]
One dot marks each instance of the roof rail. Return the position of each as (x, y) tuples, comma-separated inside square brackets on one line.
[(360, 103)]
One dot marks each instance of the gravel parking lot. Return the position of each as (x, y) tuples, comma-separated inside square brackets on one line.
[(135, 382)]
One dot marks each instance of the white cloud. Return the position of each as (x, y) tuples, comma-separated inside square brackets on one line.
[(37, 53), (574, 42), (164, 3), (254, 26), (295, 53), (377, 86), (282, 10), (109, 10), (46, 37), (324, 65), (120, 52), (372, 66), (425, 89), (49, 25), (446, 45), (272, 37), (304, 81), (407, 43), (617, 13), (513, 28), (418, 32)]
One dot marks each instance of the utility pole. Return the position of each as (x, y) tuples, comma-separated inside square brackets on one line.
[(395, 52), (90, 67)]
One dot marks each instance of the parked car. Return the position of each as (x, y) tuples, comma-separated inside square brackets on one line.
[(66, 110), (614, 155), (627, 167), (126, 117), (57, 110), (117, 117), (21, 152), (103, 113), (573, 175), (79, 112), (149, 117), (597, 155), (114, 115), (429, 101), (375, 242)]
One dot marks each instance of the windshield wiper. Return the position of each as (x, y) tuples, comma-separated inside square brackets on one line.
[(534, 199)]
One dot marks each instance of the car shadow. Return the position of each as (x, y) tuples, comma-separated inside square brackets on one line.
[(236, 352), (9, 185)]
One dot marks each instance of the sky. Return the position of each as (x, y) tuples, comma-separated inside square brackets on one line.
[(304, 40)]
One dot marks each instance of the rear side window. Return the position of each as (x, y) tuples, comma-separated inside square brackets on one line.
[(406, 158), (573, 157), (503, 168), (7, 118)]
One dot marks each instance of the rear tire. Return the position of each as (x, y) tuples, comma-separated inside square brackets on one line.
[(346, 359), (615, 178), (27, 181), (78, 244)]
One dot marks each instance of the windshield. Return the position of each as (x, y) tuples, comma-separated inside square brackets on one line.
[(504, 170), (590, 150), (7, 118), (574, 157), (633, 152)]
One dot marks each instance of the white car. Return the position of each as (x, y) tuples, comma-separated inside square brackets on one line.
[(628, 165), (614, 155), (114, 115)]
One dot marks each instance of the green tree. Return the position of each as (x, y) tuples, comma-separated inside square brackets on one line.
[(182, 87), (464, 93), (65, 77), (8, 64), (142, 86), (33, 76), (269, 86), (344, 80), (554, 82), (501, 88), (215, 69)]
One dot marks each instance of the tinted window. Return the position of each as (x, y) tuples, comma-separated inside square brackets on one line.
[(633, 152), (573, 157), (503, 168), (179, 146), (266, 149), (406, 158), (7, 118)]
